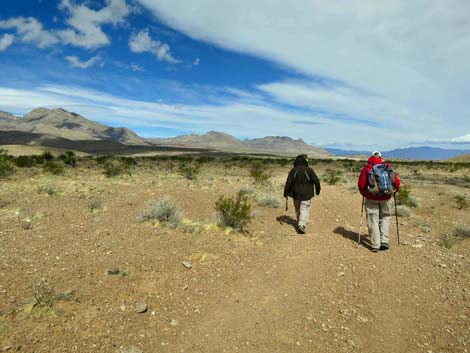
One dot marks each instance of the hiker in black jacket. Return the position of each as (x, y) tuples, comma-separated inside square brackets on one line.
[(302, 184)]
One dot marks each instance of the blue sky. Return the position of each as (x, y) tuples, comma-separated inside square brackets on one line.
[(355, 75)]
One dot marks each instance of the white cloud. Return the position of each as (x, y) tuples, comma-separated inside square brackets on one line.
[(86, 23), (5, 41), (462, 139), (136, 68), (75, 62), (196, 62), (142, 43), (411, 54), (30, 30), (235, 116)]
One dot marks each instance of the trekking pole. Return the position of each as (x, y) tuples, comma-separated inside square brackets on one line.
[(287, 203), (360, 224), (396, 217)]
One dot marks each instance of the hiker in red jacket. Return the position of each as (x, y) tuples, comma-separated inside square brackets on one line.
[(377, 199)]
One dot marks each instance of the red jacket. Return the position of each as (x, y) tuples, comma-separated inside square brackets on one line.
[(362, 181)]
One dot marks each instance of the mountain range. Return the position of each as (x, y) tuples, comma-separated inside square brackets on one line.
[(58, 127), (420, 153)]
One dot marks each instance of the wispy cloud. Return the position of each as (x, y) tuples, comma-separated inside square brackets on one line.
[(5, 41), (143, 43), (379, 47), (75, 62)]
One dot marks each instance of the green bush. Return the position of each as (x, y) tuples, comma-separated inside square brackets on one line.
[(259, 173), (113, 168), (52, 167), (68, 158), (332, 177), (404, 197), (164, 211), (25, 161), (234, 212), (6, 164), (269, 201), (190, 172), (46, 156)]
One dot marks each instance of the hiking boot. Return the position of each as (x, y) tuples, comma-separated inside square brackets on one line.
[(384, 247), (374, 250), (301, 229)]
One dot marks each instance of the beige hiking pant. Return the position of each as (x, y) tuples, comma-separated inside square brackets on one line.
[(378, 221), (302, 210)]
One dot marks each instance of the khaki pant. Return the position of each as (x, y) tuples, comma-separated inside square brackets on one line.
[(378, 221), (302, 210)]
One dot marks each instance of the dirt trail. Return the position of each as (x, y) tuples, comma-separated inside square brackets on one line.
[(322, 292)]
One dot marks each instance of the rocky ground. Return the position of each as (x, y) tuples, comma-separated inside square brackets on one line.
[(111, 284)]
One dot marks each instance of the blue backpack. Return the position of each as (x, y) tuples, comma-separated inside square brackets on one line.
[(381, 180)]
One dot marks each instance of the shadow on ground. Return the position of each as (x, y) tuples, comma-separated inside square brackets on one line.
[(284, 219), (353, 236)]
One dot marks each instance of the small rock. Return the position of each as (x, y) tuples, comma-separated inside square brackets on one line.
[(404, 242), (140, 308), (442, 265), (351, 343), (417, 246), (129, 349), (174, 323), (6, 348), (187, 264), (362, 319)]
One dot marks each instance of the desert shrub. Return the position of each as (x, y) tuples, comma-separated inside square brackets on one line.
[(403, 211), (259, 173), (44, 294), (332, 177), (52, 167), (46, 156), (404, 197), (46, 189), (461, 231), (269, 201), (163, 210), (95, 204), (283, 162), (113, 168), (128, 162), (68, 158), (458, 233), (246, 190), (204, 159), (25, 161), (189, 171), (234, 212), (6, 164), (462, 201)]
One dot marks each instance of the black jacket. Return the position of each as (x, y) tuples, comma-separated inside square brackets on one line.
[(302, 182)]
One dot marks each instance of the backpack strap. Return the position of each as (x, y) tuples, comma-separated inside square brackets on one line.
[(308, 178)]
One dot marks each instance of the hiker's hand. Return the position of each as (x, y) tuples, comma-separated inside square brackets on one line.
[(318, 193)]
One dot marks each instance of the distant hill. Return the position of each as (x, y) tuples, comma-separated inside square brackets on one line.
[(58, 126), (464, 158), (88, 146), (68, 125), (418, 153), (225, 142)]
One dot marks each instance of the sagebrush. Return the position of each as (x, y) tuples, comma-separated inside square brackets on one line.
[(164, 210)]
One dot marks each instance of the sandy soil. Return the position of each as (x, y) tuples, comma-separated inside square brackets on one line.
[(270, 290)]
